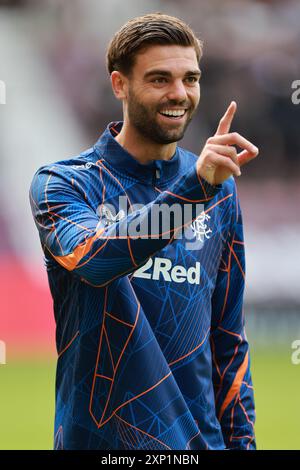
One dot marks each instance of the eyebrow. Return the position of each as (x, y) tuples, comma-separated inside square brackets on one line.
[(166, 73)]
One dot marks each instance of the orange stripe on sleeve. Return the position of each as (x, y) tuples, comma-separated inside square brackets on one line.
[(236, 385), (71, 260)]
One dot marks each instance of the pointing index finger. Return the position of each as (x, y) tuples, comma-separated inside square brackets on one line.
[(226, 120)]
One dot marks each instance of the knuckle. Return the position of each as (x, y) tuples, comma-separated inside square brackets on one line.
[(234, 156), (209, 154), (232, 150)]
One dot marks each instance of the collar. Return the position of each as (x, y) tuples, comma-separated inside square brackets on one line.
[(121, 160)]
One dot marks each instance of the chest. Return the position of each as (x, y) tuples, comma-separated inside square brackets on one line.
[(175, 286)]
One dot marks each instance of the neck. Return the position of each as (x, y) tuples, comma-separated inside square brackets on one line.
[(143, 149)]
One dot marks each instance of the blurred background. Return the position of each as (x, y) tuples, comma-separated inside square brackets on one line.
[(56, 100)]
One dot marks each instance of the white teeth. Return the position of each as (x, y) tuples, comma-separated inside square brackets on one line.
[(171, 112)]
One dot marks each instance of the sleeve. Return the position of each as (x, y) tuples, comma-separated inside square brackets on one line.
[(230, 350), (71, 231)]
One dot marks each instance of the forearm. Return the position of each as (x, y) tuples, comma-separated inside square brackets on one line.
[(233, 389)]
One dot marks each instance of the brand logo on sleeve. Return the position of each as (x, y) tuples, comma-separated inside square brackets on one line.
[(84, 166), (107, 217)]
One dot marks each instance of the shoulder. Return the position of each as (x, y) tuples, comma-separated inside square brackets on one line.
[(62, 172)]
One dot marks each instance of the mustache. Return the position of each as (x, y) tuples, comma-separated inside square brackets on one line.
[(181, 104)]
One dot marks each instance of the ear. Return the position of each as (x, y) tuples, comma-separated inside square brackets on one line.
[(119, 85)]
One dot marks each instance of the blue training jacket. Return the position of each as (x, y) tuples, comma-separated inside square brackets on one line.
[(152, 352)]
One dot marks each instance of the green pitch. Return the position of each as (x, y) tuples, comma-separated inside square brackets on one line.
[(26, 405), (27, 402), (276, 387)]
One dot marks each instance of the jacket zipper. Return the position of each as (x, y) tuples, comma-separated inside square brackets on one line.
[(156, 175)]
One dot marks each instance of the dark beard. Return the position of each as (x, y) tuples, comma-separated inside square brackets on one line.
[(144, 120)]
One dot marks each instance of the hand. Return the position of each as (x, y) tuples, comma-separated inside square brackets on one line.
[(219, 158)]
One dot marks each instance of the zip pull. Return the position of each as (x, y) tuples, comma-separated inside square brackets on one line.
[(156, 173)]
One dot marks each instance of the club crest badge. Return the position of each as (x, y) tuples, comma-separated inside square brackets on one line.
[(200, 228)]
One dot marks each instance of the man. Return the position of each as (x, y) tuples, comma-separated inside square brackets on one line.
[(152, 352)]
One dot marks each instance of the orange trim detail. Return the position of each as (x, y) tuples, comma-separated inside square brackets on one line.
[(68, 345), (71, 260), (190, 352), (237, 259), (131, 255), (236, 385)]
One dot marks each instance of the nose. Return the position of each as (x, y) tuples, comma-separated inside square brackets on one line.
[(177, 91)]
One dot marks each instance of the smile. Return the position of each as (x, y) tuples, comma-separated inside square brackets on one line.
[(173, 113)]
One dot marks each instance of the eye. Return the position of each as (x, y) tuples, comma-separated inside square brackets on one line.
[(159, 80), (192, 80)]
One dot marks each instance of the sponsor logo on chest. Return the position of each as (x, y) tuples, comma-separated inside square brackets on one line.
[(163, 269)]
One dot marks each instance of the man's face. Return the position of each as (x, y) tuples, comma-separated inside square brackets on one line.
[(163, 92)]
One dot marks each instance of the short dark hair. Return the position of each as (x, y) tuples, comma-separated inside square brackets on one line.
[(148, 30)]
